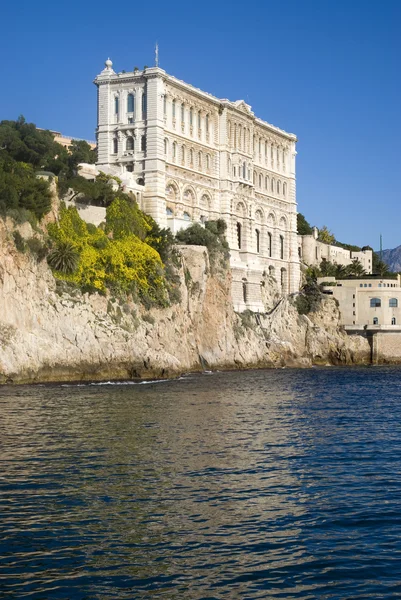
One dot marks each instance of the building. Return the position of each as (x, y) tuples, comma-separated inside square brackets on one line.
[(371, 307), (66, 141), (369, 302), (312, 252), (197, 158)]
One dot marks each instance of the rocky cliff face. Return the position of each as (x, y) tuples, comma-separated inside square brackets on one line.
[(50, 335)]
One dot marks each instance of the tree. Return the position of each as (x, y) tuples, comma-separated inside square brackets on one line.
[(303, 227), (355, 268), (326, 236), (327, 268), (124, 218), (379, 267)]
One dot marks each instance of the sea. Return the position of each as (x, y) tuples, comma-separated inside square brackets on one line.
[(280, 483)]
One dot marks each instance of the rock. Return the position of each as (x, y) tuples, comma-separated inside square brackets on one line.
[(47, 335)]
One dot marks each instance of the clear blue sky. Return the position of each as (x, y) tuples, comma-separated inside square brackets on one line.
[(327, 70)]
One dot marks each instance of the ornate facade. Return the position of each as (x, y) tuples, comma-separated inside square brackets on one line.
[(191, 157)]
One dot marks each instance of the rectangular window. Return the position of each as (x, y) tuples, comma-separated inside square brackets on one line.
[(116, 106)]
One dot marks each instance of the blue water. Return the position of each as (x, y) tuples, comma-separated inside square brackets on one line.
[(260, 484)]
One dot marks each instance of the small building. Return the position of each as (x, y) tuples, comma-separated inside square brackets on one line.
[(66, 140), (312, 252), (367, 302)]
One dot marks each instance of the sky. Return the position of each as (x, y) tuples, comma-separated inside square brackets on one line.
[(326, 70)]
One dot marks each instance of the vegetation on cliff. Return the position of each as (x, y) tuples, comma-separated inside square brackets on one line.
[(115, 257), (25, 152)]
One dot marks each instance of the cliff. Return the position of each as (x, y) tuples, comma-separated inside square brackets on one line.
[(47, 334)]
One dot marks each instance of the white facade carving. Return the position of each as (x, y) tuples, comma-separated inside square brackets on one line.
[(199, 158)]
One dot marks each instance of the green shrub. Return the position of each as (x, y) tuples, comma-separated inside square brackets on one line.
[(148, 319), (309, 299), (37, 248), (211, 236), (19, 241)]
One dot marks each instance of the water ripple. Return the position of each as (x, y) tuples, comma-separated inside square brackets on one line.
[(261, 484)]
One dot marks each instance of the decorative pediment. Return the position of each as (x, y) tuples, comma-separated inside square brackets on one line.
[(244, 107)]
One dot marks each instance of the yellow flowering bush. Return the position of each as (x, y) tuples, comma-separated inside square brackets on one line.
[(126, 263)]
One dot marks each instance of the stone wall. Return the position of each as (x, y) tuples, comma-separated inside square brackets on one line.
[(386, 347)]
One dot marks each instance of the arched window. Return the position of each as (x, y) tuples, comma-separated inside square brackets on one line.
[(239, 240), (271, 271), (239, 136), (235, 135), (244, 290), (183, 154), (115, 145), (116, 105), (191, 157), (130, 103), (182, 112), (272, 185), (279, 187), (375, 303), (199, 119), (266, 151), (393, 303), (164, 105), (143, 143), (165, 146), (281, 246), (200, 161), (260, 180), (187, 216), (284, 189), (191, 116), (393, 321), (130, 143), (272, 153), (207, 123), (269, 243), (207, 161), (174, 150), (244, 170), (257, 232), (266, 183), (375, 321), (144, 106), (173, 108), (254, 178)]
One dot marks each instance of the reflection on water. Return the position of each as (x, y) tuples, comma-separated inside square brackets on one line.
[(261, 484)]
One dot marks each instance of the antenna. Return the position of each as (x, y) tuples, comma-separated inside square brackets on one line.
[(157, 55)]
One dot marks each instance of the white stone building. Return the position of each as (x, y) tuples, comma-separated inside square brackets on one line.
[(312, 252), (196, 158)]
